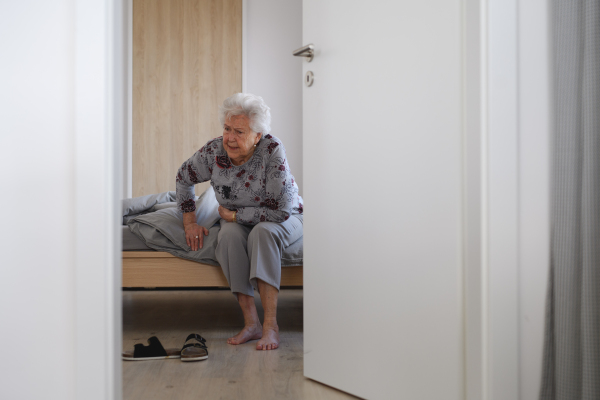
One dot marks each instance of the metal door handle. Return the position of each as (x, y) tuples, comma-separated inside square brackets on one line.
[(307, 51)]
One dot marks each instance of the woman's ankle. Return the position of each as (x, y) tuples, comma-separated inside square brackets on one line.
[(249, 310), (270, 323)]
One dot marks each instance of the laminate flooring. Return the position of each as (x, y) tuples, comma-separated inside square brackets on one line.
[(231, 372)]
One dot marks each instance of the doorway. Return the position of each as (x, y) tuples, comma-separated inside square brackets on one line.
[(271, 31)]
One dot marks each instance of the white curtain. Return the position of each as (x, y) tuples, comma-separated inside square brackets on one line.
[(572, 344)]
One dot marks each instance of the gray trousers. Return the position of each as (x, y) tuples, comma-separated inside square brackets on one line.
[(247, 253)]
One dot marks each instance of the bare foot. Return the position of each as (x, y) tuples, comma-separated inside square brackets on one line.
[(270, 338), (250, 332)]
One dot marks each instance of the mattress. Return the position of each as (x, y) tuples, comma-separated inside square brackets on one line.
[(131, 242)]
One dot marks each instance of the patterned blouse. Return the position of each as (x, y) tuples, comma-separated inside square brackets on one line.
[(261, 189)]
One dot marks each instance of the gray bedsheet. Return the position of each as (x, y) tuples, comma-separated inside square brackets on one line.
[(146, 204), (131, 242), (159, 226)]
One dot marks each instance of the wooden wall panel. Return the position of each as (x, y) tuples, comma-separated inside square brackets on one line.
[(187, 58)]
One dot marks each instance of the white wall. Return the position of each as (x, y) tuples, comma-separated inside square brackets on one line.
[(534, 189), (501, 213), (128, 137), (273, 32), (99, 128), (37, 176), (59, 300), (517, 157), (474, 293)]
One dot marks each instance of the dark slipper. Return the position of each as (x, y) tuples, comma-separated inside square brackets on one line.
[(154, 351), (195, 350)]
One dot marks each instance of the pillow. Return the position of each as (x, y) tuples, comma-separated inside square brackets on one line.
[(164, 205), (207, 208), (142, 204)]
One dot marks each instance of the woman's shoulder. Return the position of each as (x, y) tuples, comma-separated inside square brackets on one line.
[(268, 138), (271, 144), (214, 143), (213, 146)]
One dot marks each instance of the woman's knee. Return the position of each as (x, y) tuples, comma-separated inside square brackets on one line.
[(231, 233), (261, 232)]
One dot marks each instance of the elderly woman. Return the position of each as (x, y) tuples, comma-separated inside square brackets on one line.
[(259, 206)]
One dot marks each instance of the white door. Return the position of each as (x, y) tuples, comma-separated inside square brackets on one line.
[(382, 175)]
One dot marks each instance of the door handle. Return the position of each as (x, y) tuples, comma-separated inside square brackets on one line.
[(307, 51)]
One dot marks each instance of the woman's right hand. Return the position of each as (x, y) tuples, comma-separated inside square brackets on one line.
[(194, 235)]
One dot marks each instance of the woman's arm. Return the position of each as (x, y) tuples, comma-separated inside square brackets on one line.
[(194, 233), (280, 192), (195, 170), (227, 214)]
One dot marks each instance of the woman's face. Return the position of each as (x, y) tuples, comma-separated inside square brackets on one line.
[(239, 139)]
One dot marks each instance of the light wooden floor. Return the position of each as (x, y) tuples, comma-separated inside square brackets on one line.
[(231, 372)]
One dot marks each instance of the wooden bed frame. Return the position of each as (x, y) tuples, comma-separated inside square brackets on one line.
[(160, 269)]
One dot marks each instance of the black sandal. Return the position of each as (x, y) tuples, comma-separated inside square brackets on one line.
[(194, 351), (154, 351)]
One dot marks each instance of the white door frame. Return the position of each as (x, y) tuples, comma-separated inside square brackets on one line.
[(506, 175), (100, 107), (500, 202)]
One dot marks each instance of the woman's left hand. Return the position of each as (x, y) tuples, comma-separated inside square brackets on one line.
[(226, 214)]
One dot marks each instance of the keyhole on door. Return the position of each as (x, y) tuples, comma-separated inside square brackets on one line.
[(309, 78)]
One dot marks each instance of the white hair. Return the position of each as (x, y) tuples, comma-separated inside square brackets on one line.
[(251, 106)]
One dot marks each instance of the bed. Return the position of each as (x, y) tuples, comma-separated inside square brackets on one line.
[(143, 269), (155, 256)]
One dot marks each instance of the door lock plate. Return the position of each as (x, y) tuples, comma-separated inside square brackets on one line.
[(309, 78)]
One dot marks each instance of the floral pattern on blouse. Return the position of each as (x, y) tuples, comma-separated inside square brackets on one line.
[(262, 189)]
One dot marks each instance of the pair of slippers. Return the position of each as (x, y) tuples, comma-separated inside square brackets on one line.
[(194, 349)]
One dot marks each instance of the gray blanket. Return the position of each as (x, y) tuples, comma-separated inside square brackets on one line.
[(146, 204), (156, 220)]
